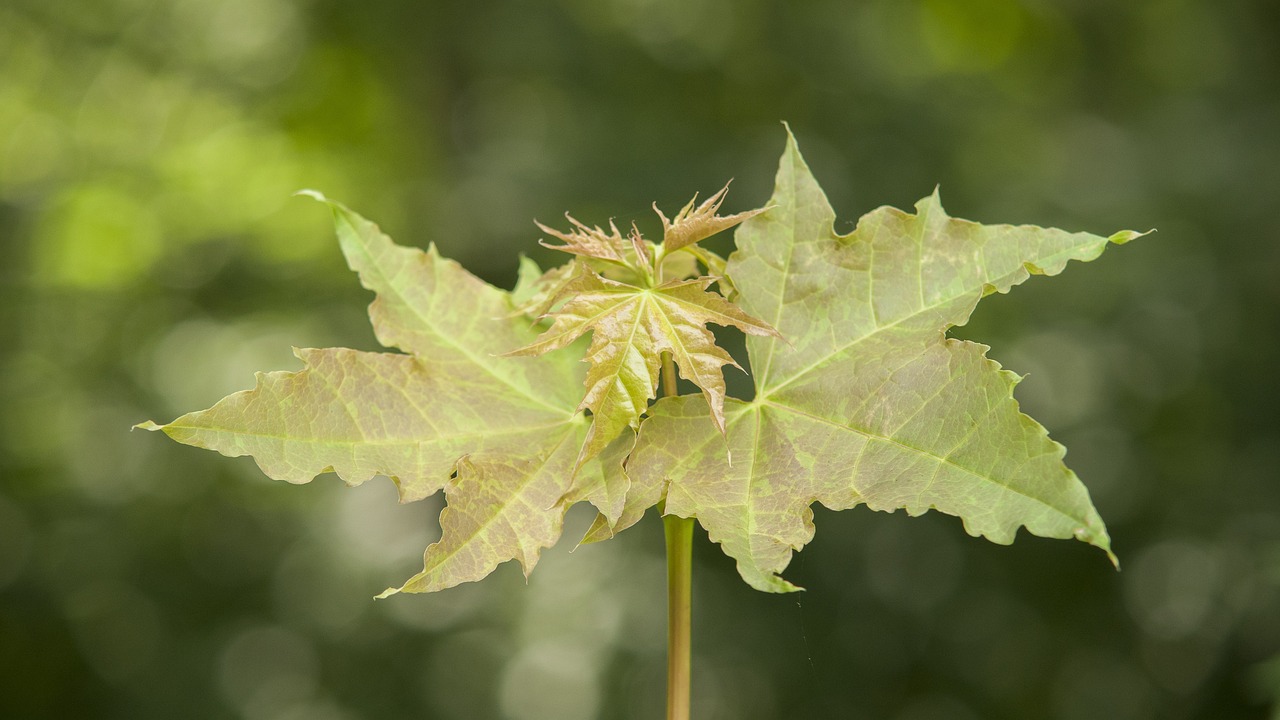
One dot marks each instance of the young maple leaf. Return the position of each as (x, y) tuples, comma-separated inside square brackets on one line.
[(630, 328), (694, 225), (868, 401), (589, 242), (499, 435)]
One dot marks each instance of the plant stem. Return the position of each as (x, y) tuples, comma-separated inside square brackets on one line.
[(668, 376), (679, 532), (679, 535)]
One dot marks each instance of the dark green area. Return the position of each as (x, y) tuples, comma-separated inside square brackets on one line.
[(154, 258)]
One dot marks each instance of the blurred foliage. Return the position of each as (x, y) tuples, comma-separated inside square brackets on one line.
[(153, 259)]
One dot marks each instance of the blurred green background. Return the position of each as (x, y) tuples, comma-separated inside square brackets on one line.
[(153, 258)]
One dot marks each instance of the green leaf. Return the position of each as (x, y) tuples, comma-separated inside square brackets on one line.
[(500, 435), (867, 401), (630, 328), (536, 292)]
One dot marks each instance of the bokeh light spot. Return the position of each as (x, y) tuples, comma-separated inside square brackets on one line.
[(97, 236), (970, 35)]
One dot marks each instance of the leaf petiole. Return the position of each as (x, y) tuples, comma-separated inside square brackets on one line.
[(679, 534), (679, 537)]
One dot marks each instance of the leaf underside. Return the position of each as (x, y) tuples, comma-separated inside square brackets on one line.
[(860, 398), (499, 435), (867, 401)]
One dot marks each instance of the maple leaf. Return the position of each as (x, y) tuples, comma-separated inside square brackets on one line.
[(591, 242), (499, 435), (607, 252), (868, 402), (630, 328), (536, 292), (694, 225), (865, 402)]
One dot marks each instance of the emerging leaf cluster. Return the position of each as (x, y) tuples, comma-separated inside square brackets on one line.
[(860, 398), (659, 303)]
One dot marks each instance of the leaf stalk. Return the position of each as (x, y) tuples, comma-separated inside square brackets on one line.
[(679, 537), (679, 534)]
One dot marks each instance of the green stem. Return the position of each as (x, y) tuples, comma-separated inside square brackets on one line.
[(668, 376), (679, 534)]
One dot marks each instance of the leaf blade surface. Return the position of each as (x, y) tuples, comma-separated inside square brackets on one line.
[(867, 401), (491, 431)]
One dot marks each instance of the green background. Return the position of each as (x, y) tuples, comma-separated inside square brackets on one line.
[(153, 258)]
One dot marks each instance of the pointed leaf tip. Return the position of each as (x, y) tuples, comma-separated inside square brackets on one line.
[(313, 194), (1125, 236), (147, 425)]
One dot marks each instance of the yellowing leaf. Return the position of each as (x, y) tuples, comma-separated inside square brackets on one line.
[(499, 435), (630, 328), (868, 401), (693, 225)]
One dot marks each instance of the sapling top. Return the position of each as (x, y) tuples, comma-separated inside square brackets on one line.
[(860, 397)]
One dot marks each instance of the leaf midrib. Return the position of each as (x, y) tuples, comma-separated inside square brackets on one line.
[(427, 322), (766, 393), (484, 433), (906, 446), (786, 278), (512, 498)]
